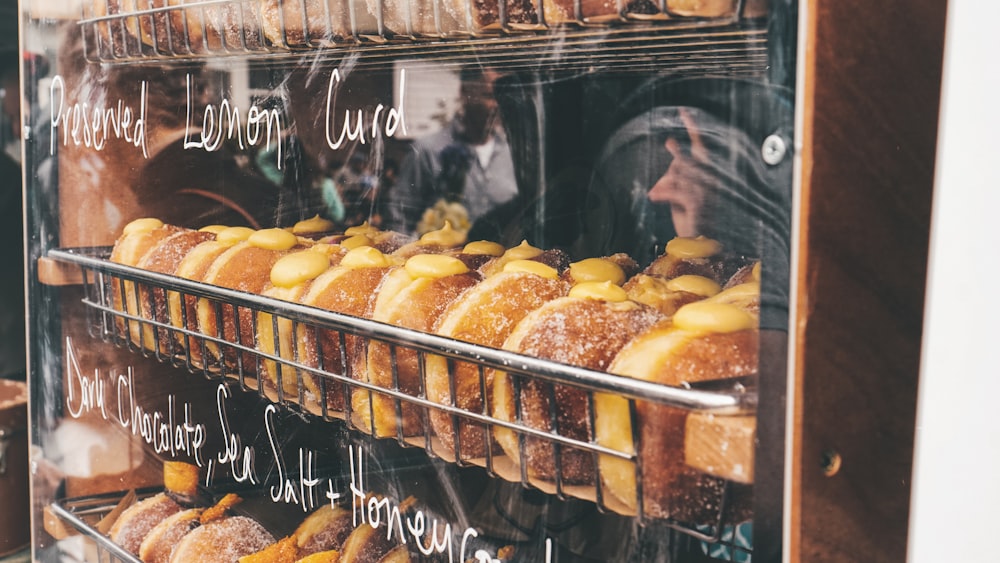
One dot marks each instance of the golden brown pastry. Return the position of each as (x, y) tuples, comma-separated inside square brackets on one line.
[(290, 279), (298, 23), (183, 308), (245, 266), (415, 17), (180, 27), (137, 238), (668, 295), (413, 297), (159, 544), (164, 258), (585, 329), (486, 314), (716, 8), (698, 256), (222, 540), (136, 521), (704, 341), (350, 288), (445, 239)]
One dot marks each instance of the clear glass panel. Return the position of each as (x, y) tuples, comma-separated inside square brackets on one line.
[(489, 281)]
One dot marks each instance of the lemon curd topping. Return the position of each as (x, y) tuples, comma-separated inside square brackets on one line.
[(698, 285), (604, 291), (233, 235), (484, 247), (434, 266), (445, 236), (143, 225), (531, 267), (596, 270), (356, 241), (706, 316), (273, 239), (299, 267), (696, 247), (315, 224), (365, 257), (523, 251)]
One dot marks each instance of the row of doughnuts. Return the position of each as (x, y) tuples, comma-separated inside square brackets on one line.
[(174, 526), (244, 24), (594, 313)]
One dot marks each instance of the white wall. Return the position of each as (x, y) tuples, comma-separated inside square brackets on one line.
[(957, 464)]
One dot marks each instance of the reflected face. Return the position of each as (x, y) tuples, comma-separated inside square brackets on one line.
[(685, 197), (479, 108)]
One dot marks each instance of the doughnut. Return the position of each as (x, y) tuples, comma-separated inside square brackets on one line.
[(137, 238), (481, 15), (370, 545), (325, 529), (698, 256), (445, 239), (158, 545), (223, 540), (300, 23), (367, 235), (487, 314), (290, 279), (668, 295), (413, 297), (245, 266), (183, 311), (314, 228), (164, 258), (553, 258), (415, 17), (587, 328), (704, 341), (281, 551), (716, 8), (349, 288), (132, 526)]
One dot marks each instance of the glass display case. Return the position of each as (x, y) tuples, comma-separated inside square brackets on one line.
[(459, 280)]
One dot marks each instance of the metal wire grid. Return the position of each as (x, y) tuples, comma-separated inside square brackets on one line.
[(239, 360), (142, 29)]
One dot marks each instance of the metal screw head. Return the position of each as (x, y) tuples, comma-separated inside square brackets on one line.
[(773, 150)]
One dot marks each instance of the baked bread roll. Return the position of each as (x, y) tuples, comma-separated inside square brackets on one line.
[(223, 540), (365, 235), (301, 23), (413, 297), (416, 17), (245, 266), (484, 15), (704, 341), (716, 8), (668, 295), (325, 529), (553, 258), (699, 256), (159, 544), (164, 258), (132, 526), (443, 240), (349, 288), (183, 26), (290, 279), (485, 314), (183, 308), (137, 238), (585, 329)]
